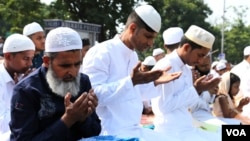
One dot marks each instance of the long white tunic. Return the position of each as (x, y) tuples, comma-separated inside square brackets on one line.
[(241, 68), (6, 88), (109, 65), (171, 108)]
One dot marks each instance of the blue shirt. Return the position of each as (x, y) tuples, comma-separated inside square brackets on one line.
[(36, 112), (37, 61)]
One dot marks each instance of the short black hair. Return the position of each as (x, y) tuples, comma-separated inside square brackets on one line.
[(2, 37), (172, 46), (193, 45), (85, 42), (134, 18)]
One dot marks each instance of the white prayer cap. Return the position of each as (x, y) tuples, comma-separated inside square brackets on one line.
[(221, 66), (149, 61), (62, 39), (150, 16), (157, 51), (247, 51), (200, 36), (17, 43), (223, 60), (214, 64), (32, 28), (172, 35)]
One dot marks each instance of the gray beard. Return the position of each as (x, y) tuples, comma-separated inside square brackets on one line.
[(60, 87)]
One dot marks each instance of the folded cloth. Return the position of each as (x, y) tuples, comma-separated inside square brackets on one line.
[(108, 138)]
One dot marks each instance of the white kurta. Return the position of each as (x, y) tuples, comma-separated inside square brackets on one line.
[(109, 65), (171, 109), (241, 68), (6, 88)]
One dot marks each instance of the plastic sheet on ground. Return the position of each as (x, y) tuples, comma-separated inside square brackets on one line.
[(108, 138)]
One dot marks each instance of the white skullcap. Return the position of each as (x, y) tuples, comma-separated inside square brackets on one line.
[(157, 51), (149, 61), (17, 43), (200, 36), (150, 16), (172, 35), (223, 60), (247, 51), (62, 39), (32, 28), (214, 64), (221, 66)]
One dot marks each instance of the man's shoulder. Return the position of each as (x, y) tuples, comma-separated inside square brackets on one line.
[(83, 76), (34, 78)]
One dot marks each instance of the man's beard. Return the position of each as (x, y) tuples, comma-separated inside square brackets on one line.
[(60, 87), (202, 72)]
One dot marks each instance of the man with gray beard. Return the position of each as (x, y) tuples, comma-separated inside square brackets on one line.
[(60, 87), (55, 102)]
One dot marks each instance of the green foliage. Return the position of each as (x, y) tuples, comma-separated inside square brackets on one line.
[(235, 41), (16, 14), (236, 36), (108, 13)]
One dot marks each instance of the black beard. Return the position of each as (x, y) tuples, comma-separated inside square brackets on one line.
[(202, 72)]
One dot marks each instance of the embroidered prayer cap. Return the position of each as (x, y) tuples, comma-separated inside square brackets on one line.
[(247, 51), (150, 16), (62, 39), (32, 28), (17, 43), (157, 51), (200, 36), (149, 61), (172, 35), (221, 66)]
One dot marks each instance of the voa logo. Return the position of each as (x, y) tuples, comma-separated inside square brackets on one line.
[(236, 132)]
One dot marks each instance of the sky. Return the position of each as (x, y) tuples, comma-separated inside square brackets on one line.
[(46, 1), (217, 8)]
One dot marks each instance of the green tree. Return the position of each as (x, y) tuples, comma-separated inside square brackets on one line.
[(107, 13), (236, 35), (16, 14)]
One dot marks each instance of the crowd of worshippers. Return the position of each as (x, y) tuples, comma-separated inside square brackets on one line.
[(57, 87)]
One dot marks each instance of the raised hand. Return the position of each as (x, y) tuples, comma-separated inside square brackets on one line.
[(244, 101), (93, 100), (139, 77), (77, 111), (158, 76), (167, 77), (30, 70), (20, 75), (206, 82)]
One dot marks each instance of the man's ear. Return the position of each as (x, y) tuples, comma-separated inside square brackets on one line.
[(46, 61), (7, 56), (132, 27), (186, 47)]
